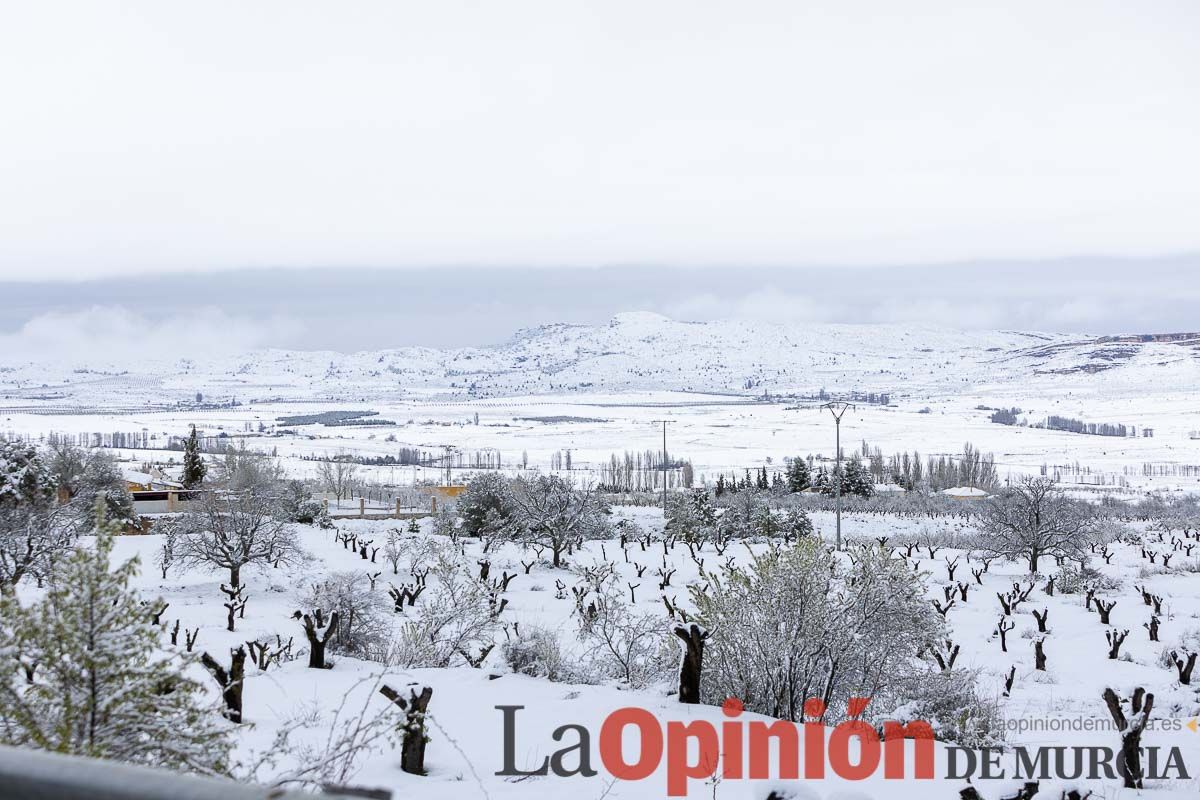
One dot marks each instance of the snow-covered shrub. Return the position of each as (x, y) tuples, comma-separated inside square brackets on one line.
[(536, 652), (451, 622), (445, 523), (746, 515), (25, 478), (952, 705), (798, 617), (1074, 578), (629, 529), (626, 645), (364, 623), (1187, 642)]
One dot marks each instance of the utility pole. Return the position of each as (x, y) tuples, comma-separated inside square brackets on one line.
[(664, 467), (838, 408), (449, 463)]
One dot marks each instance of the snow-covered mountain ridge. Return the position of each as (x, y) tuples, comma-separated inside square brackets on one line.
[(635, 352)]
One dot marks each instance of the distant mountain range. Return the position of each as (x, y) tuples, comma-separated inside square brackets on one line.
[(634, 352)]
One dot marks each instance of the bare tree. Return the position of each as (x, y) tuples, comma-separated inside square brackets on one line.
[(1033, 519), (338, 475), (551, 512), (230, 530), (626, 645), (394, 549), (240, 469)]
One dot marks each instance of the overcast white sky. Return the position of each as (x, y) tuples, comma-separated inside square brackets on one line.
[(165, 136), (373, 174)]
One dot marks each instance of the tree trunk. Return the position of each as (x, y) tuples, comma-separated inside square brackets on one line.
[(230, 682), (235, 577), (412, 749), (317, 642), (316, 653), (692, 664), (1129, 765)]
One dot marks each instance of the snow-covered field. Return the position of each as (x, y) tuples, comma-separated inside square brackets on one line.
[(718, 434), (466, 750), (733, 391), (733, 395)]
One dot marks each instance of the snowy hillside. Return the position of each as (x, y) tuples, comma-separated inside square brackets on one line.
[(632, 352)]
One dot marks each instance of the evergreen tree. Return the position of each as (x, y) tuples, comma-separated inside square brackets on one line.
[(857, 479), (84, 675), (692, 517), (486, 506), (796, 524), (194, 468), (798, 476), (763, 483), (25, 478), (720, 488)]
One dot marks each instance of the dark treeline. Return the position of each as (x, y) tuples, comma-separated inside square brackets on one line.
[(1006, 416), (416, 457), (867, 467), (641, 471), (869, 398), (1011, 416), (971, 468), (1056, 423)]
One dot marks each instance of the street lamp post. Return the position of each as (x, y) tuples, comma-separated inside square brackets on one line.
[(838, 408)]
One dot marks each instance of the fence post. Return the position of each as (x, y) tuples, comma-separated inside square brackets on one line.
[(362, 506)]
